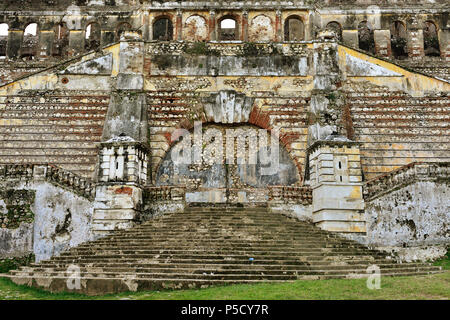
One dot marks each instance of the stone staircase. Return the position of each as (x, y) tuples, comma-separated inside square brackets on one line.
[(207, 246)]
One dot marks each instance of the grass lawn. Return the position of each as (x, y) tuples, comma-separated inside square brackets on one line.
[(419, 287), (435, 286)]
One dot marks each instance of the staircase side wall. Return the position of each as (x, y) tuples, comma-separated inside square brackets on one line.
[(41, 218), (412, 221)]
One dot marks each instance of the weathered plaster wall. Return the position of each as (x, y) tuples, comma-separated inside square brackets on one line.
[(416, 215), (61, 220)]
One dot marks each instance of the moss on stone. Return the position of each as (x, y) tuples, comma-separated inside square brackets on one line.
[(18, 208), (8, 264)]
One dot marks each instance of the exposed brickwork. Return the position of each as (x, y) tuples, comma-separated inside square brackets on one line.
[(52, 127), (397, 129)]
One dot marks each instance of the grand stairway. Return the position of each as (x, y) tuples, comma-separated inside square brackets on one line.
[(207, 246)]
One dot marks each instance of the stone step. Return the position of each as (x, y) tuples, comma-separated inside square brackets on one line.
[(217, 250), (227, 266), (224, 276), (247, 269), (306, 260), (216, 244), (206, 246), (256, 257)]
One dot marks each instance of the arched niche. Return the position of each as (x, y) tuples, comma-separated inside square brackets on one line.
[(163, 29), (92, 36), (60, 40), (398, 40), (365, 37), (121, 28), (431, 40), (294, 29), (213, 168), (336, 28), (261, 29), (195, 29)]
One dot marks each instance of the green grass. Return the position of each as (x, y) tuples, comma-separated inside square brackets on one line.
[(444, 262), (435, 286)]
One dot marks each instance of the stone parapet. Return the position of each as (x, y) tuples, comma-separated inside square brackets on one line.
[(405, 175), (52, 174)]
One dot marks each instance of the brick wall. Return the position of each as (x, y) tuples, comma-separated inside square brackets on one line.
[(397, 129), (58, 128)]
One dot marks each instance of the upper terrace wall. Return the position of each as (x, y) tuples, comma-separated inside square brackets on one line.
[(90, 25)]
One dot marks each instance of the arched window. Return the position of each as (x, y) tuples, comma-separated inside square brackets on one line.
[(92, 36), (60, 40), (365, 37), (294, 29), (31, 30), (163, 29), (398, 40), (430, 40), (336, 28), (4, 29), (228, 29), (30, 41), (121, 28)]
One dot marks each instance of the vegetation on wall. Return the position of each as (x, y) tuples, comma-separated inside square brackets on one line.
[(17, 208), (200, 48), (14, 263)]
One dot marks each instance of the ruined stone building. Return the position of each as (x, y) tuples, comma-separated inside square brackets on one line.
[(96, 95)]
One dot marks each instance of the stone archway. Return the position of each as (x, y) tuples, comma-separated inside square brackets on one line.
[(229, 163)]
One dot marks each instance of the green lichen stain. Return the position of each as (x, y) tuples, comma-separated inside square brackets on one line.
[(8, 264), (18, 208)]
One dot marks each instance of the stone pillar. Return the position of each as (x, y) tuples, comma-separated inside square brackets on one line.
[(179, 25), (336, 181), (76, 42), (244, 33), (122, 173), (326, 100), (212, 25), (123, 152), (350, 38), (278, 28), (415, 44), (15, 39), (46, 39), (382, 42), (444, 40)]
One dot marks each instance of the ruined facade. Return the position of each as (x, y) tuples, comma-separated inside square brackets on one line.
[(92, 93)]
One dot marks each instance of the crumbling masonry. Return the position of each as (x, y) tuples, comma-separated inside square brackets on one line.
[(92, 92)]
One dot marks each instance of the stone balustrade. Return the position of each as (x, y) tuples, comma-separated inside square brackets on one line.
[(52, 174), (165, 193), (230, 48), (290, 195), (403, 176), (275, 194)]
